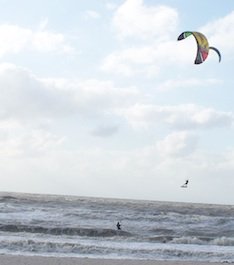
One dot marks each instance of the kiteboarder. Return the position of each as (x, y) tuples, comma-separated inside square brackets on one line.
[(185, 184), (118, 225)]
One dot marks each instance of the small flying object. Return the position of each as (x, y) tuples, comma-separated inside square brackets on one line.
[(185, 185), (203, 47)]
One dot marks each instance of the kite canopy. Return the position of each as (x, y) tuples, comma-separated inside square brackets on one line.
[(202, 45)]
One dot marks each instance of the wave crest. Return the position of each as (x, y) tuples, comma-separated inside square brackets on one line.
[(90, 232)]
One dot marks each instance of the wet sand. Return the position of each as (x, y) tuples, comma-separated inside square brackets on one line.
[(38, 260)]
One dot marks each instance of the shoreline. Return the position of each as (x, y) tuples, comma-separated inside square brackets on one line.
[(42, 260)]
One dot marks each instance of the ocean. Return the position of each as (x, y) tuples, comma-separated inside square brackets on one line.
[(69, 226)]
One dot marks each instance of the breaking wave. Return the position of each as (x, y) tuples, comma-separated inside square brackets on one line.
[(220, 241), (121, 250), (108, 233), (88, 232)]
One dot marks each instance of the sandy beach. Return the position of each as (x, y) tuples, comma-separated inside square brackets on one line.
[(38, 260)]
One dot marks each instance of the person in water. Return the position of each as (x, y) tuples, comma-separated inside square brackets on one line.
[(118, 225)]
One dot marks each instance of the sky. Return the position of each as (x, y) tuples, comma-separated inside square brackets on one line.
[(98, 98)]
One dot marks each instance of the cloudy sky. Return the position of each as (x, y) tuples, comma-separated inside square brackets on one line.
[(98, 98)]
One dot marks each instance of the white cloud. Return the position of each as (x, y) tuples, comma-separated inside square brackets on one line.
[(25, 96), (134, 19), (158, 49), (187, 116), (220, 33), (131, 61), (191, 82), (177, 144), (30, 108), (21, 142), (14, 39), (92, 97), (154, 56)]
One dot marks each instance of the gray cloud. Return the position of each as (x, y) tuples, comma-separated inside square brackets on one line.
[(105, 130)]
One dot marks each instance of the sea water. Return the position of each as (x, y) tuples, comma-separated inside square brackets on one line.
[(70, 226)]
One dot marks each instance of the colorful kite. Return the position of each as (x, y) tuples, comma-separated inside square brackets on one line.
[(202, 45)]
